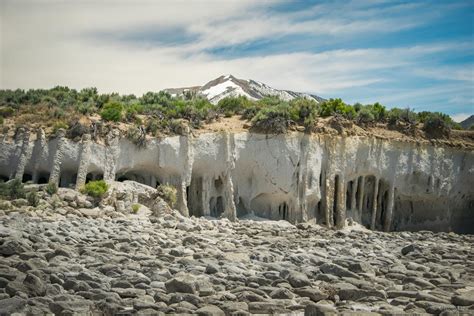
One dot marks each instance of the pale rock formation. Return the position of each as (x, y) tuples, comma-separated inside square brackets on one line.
[(382, 184)]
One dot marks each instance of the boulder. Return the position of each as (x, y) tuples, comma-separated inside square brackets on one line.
[(183, 284)]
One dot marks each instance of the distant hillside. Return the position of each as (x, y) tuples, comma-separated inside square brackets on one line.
[(467, 123), (228, 85)]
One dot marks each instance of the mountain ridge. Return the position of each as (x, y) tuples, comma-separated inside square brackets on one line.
[(230, 86)]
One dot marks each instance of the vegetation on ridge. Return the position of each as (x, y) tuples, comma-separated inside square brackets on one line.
[(161, 113)]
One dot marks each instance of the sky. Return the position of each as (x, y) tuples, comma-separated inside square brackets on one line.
[(417, 54)]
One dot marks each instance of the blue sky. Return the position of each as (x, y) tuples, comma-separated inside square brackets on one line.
[(417, 54)]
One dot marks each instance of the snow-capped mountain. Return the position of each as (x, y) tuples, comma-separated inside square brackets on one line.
[(228, 85)]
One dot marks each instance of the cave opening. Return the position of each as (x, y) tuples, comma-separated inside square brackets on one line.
[(216, 206), (67, 179), (283, 211), (350, 188), (43, 178), (27, 177), (95, 176), (336, 200), (319, 214), (241, 209), (4, 178)]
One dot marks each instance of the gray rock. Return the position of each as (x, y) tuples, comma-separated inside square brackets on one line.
[(211, 268), (82, 307), (12, 305), (13, 247), (464, 299), (183, 284), (210, 310), (35, 285), (337, 270), (314, 294), (282, 293), (298, 279), (273, 307), (434, 308), (356, 294), (313, 309), (407, 249)]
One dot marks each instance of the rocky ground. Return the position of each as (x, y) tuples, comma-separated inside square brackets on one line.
[(135, 264)]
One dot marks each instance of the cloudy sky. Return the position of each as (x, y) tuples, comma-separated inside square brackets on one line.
[(402, 53)]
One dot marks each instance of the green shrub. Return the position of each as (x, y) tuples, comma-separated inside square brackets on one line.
[(437, 125), (33, 198), (51, 188), (153, 126), (112, 111), (86, 108), (304, 110), (132, 111), (137, 135), (274, 119), (233, 105), (13, 189), (1, 120), (365, 116), (401, 115), (135, 208), (337, 106), (96, 189), (59, 125), (168, 193), (6, 111)]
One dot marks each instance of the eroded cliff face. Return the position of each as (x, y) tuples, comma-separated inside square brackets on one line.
[(383, 184)]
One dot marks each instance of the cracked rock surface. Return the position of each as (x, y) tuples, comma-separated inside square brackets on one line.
[(134, 265)]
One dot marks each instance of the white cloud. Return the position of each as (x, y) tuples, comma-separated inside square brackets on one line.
[(47, 43)]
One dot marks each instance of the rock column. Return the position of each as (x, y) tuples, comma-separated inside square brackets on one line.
[(389, 213), (228, 194), (361, 197), (84, 161), (341, 204), (329, 197), (374, 203), (58, 158), (40, 149), (25, 155), (111, 155), (355, 183)]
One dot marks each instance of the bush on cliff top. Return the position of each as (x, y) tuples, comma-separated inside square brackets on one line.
[(112, 111)]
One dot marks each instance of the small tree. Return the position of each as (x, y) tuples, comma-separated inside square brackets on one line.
[(168, 193), (96, 189), (33, 198)]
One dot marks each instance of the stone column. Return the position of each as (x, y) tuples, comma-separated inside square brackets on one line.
[(361, 196), (230, 211), (355, 183), (341, 204), (25, 155), (329, 196), (374, 203), (16, 153), (111, 155), (58, 158), (182, 203), (389, 212), (40, 148), (84, 161)]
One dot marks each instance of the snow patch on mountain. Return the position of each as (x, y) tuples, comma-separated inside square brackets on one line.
[(229, 86)]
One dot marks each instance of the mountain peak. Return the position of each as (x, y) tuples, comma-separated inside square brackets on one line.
[(230, 86)]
